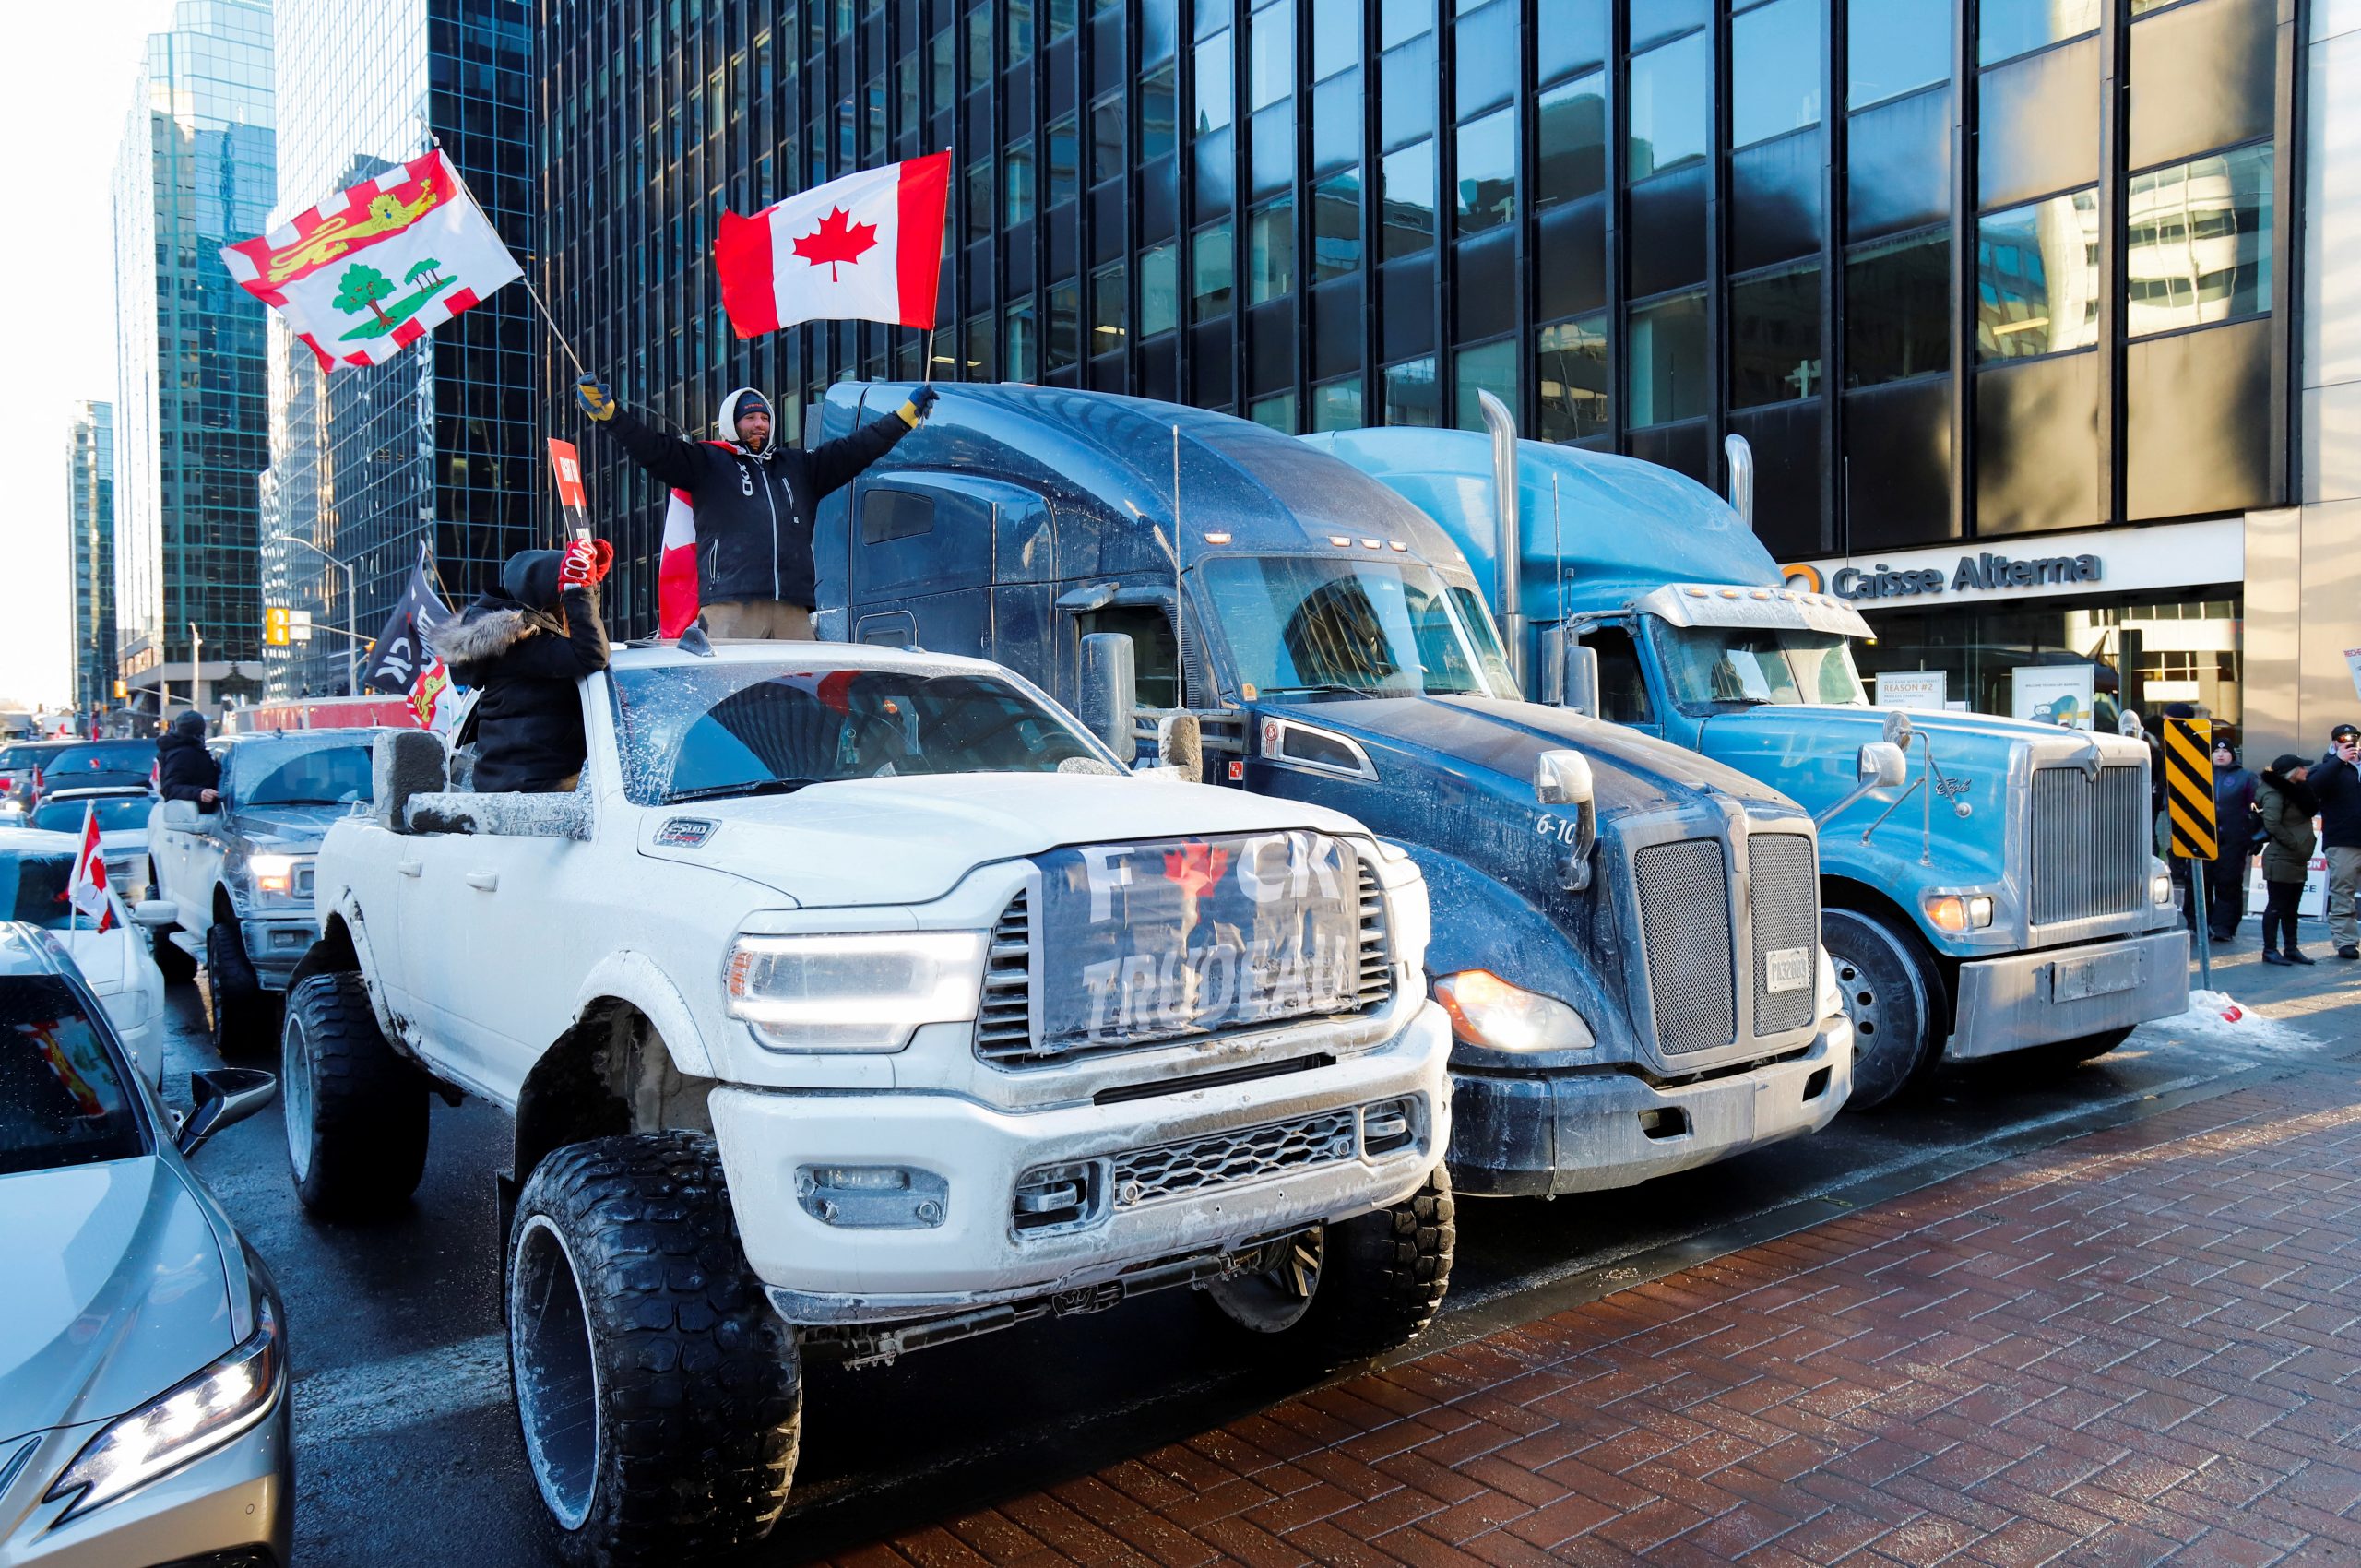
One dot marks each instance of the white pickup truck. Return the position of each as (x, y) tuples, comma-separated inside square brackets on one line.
[(848, 1007)]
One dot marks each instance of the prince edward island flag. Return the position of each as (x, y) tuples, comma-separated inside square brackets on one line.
[(371, 270)]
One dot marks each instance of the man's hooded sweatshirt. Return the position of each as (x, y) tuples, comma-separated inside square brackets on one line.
[(523, 648)]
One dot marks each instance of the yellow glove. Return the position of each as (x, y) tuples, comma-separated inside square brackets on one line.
[(915, 409), (596, 398)]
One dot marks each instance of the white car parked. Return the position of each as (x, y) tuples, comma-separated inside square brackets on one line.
[(123, 829), (34, 870), (850, 1006)]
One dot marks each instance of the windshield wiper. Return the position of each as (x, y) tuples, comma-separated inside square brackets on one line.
[(744, 787), (1317, 688)]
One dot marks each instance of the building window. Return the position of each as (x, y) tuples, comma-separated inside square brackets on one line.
[(1774, 338), (979, 198), (1060, 19), (1270, 70), (1894, 47), (1408, 183), (1337, 226), (1336, 36), (1107, 156), (1064, 182), (1410, 392), (1336, 405), (1573, 141), (1066, 324), (1399, 21), (1020, 31), (2006, 29), (1668, 90), (1216, 91), (1018, 187), (1570, 373), (1159, 290), (1487, 172), (1158, 127), (1110, 307), (1490, 368), (1270, 253), (1775, 70), (1277, 412), (2037, 277), (1665, 355), (1897, 316), (1023, 342), (2198, 245), (980, 48), (1213, 271)]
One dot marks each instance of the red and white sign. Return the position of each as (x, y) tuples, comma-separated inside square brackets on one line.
[(372, 270), (566, 464), (868, 247), (87, 888)]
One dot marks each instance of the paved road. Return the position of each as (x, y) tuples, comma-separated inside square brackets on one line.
[(407, 1449)]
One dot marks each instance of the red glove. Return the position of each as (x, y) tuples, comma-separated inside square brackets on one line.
[(588, 562)]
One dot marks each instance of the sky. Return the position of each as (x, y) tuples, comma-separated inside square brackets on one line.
[(65, 78)]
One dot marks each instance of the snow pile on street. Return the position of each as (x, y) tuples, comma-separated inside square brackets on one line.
[(2217, 1016)]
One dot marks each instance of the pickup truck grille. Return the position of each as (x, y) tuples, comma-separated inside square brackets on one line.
[(1685, 932), (1787, 915), (1005, 1017), (2089, 842), (1171, 1170)]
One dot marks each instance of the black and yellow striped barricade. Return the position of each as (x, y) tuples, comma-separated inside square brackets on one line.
[(2188, 789)]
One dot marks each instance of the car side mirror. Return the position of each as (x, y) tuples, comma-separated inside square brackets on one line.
[(1883, 765), (1581, 679), (1898, 730), (224, 1095), (1110, 692), (182, 816), (1564, 778), (156, 914)]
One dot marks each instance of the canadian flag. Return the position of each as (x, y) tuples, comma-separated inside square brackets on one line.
[(676, 568), (868, 247), (87, 888)]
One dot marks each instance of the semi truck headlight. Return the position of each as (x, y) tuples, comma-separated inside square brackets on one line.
[(273, 873), (1831, 995), (2160, 882), (185, 1422), (1488, 1011), (864, 991), (1960, 911)]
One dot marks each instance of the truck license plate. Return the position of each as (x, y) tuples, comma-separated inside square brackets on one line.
[(1787, 968), (2102, 974)]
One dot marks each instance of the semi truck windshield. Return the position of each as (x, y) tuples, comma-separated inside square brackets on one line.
[(1748, 664), (1372, 628)]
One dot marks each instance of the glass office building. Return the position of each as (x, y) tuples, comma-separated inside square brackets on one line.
[(438, 446), (89, 518), (1966, 274), (194, 171)]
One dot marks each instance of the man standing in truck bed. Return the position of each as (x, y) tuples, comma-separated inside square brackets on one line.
[(755, 501)]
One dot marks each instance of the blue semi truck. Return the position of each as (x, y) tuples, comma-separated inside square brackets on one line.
[(1625, 934), (2005, 898)]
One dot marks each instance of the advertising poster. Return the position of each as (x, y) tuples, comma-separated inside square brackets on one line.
[(2312, 905), (2352, 663), (1913, 688), (2052, 694)]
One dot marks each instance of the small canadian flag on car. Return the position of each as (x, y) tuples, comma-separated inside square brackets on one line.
[(87, 888)]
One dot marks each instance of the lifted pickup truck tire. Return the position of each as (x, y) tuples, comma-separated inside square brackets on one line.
[(355, 1112), (246, 1016), (178, 967), (1883, 975), (660, 1398), (1357, 1290)]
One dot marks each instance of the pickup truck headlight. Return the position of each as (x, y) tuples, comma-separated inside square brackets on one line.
[(274, 873), (1488, 1011), (184, 1423), (862, 990), (1959, 911)]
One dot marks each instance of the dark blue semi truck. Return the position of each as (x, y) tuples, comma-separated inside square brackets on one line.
[(1626, 935)]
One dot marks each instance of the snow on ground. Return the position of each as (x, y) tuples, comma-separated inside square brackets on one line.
[(2217, 1016)]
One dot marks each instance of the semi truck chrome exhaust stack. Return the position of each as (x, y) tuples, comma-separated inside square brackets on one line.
[(1739, 453), (1508, 562)]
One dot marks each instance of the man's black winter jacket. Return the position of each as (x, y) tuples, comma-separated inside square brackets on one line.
[(755, 513), (185, 769), (525, 661), (2338, 785)]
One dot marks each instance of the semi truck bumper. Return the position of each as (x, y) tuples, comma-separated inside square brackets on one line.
[(1584, 1132), (873, 1208), (2028, 999)]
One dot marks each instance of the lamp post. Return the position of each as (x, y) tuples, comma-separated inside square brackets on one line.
[(352, 634), (195, 669)]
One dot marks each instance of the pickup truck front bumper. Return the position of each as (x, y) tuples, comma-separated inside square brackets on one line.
[(2059, 993), (1590, 1130), (276, 944), (1194, 1173)]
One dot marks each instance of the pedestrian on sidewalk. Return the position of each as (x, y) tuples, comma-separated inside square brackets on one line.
[(754, 501), (2287, 806), (2335, 779), (2235, 787)]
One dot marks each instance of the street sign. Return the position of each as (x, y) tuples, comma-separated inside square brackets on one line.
[(274, 626), (2188, 788), (299, 626)]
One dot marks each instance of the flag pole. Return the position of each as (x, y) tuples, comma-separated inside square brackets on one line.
[(929, 355), (522, 275)]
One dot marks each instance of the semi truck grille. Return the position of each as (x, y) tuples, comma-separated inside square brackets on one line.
[(1787, 916), (1685, 933), (1142, 1176), (1004, 1017), (2089, 843)]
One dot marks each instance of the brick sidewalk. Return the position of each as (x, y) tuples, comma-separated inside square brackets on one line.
[(2138, 1347)]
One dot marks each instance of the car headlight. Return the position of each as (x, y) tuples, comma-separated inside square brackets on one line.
[(274, 873), (2160, 882), (864, 991), (1831, 995), (1488, 1011), (1959, 911), (185, 1422)]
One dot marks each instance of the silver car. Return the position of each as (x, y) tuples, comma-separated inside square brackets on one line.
[(143, 1357)]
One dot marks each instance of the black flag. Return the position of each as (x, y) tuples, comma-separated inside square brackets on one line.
[(401, 652)]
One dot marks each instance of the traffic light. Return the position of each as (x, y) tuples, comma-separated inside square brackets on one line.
[(274, 626), (122, 689)]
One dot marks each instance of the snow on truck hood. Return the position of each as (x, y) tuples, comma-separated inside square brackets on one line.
[(911, 840)]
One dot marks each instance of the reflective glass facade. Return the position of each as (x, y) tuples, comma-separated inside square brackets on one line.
[(89, 516), (440, 445), (1943, 300), (196, 171)]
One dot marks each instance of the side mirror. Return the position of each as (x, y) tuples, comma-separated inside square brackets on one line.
[(1898, 732), (1883, 765), (1181, 744), (1582, 679), (1110, 692), (224, 1095), (1564, 778), (182, 816), (156, 914)]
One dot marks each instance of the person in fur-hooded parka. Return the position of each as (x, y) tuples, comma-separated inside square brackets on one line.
[(524, 646)]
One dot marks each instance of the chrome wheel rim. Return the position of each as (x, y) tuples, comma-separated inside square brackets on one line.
[(556, 1372), (295, 1097)]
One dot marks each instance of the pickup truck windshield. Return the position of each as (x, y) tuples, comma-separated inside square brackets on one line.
[(279, 774), (1756, 665), (730, 728), (1371, 628), (61, 1096)]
